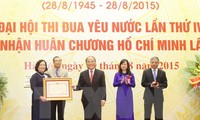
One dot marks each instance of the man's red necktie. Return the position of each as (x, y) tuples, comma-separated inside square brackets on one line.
[(91, 75)]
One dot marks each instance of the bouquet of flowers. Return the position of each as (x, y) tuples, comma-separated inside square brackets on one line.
[(194, 69)]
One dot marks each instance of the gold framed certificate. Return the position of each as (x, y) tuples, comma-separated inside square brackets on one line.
[(57, 88)]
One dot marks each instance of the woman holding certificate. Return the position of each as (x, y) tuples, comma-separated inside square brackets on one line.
[(40, 108), (124, 80)]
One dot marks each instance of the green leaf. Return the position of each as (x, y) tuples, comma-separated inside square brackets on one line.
[(197, 58), (3, 88), (191, 64)]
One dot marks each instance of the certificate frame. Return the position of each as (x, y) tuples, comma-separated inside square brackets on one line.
[(57, 88)]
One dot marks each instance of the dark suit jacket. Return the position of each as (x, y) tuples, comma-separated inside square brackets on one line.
[(93, 92), (150, 92)]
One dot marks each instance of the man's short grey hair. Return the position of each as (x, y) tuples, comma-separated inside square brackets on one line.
[(154, 58), (92, 57)]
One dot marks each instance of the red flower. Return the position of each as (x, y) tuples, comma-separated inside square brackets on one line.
[(128, 76), (195, 81)]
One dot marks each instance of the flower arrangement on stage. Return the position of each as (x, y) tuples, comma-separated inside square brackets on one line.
[(194, 69), (3, 88)]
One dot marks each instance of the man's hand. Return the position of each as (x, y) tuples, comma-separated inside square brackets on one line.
[(74, 87), (103, 102), (155, 84)]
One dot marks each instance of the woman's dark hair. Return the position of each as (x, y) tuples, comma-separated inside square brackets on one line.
[(38, 63), (128, 71)]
